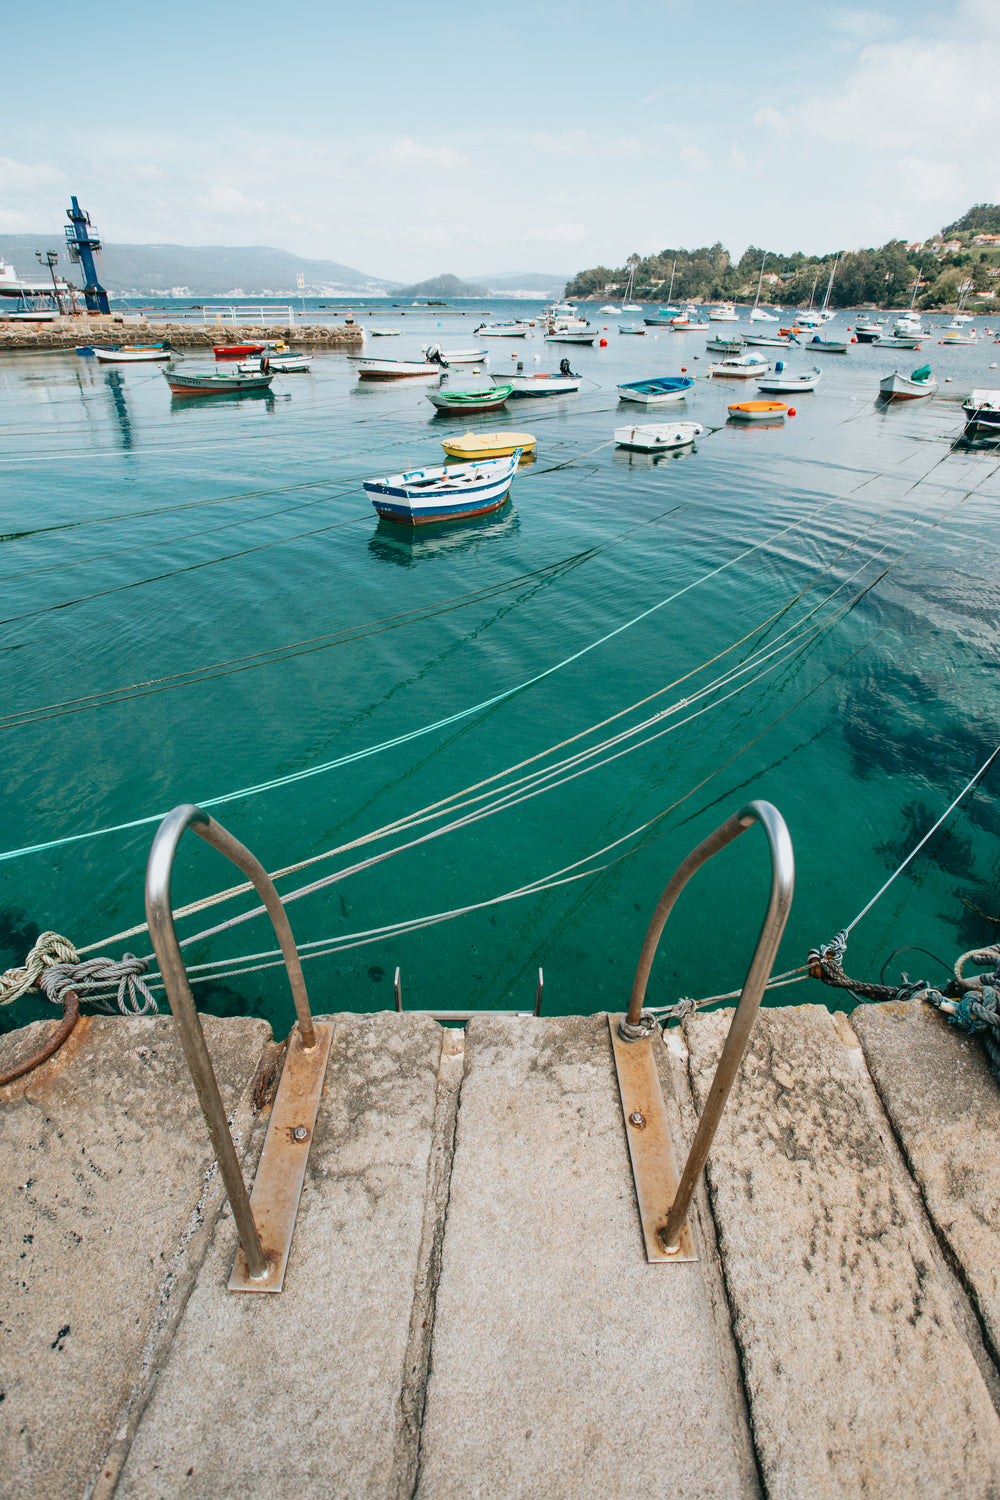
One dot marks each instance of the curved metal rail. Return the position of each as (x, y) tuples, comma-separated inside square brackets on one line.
[(630, 1032), (262, 1259)]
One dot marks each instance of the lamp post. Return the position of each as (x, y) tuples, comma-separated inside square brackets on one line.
[(50, 259)]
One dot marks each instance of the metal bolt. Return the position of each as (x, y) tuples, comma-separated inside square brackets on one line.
[(638, 1120), (300, 1133)]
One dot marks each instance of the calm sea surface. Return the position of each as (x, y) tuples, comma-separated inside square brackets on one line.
[(198, 599)]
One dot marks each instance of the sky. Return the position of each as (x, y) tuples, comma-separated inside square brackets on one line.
[(408, 140)]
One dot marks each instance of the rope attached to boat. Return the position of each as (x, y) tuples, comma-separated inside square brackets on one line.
[(53, 966)]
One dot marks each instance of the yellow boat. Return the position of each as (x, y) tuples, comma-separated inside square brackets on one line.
[(489, 444)]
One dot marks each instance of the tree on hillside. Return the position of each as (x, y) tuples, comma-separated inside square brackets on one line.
[(981, 218)]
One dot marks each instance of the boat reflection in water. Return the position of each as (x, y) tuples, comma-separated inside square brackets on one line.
[(408, 546), (633, 458)]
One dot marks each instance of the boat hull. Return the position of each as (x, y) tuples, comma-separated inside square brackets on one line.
[(214, 385), (656, 392), (758, 411), (480, 445), (458, 403), (896, 387), (395, 369), (130, 356), (982, 409), (545, 385), (658, 437), (785, 383), (425, 496), (236, 351)]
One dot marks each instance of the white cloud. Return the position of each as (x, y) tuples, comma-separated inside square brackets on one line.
[(405, 154), (696, 159), (28, 177)]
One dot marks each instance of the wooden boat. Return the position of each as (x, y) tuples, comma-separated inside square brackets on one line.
[(740, 367), (278, 364), (560, 383), (488, 398), (816, 345), (489, 445), (757, 411), (369, 368), (237, 351), (214, 382), (455, 356), (982, 409), (657, 390), (781, 380), (131, 354), (507, 330), (725, 346), (897, 387), (444, 493), (655, 437)]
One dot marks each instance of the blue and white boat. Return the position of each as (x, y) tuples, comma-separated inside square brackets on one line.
[(451, 492), (657, 390)]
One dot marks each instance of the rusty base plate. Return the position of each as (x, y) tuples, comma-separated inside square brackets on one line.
[(281, 1171), (653, 1167)]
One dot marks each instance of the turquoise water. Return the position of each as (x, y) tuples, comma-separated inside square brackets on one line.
[(198, 598)]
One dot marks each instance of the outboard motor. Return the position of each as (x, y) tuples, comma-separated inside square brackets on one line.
[(433, 354), (564, 368)]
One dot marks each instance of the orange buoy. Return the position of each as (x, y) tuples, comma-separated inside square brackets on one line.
[(791, 411), (684, 369), (603, 344)]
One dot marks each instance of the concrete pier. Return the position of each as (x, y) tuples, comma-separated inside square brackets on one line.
[(67, 333), (467, 1309)]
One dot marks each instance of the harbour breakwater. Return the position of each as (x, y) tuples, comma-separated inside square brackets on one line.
[(68, 333)]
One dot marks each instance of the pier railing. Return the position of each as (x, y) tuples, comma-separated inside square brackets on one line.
[(664, 1199), (241, 317)]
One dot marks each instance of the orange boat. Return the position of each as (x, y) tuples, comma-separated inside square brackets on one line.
[(757, 411)]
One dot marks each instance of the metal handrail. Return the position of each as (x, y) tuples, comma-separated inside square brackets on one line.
[(159, 915), (772, 928)]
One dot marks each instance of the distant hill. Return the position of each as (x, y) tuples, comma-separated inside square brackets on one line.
[(442, 286), (199, 270), (981, 218)]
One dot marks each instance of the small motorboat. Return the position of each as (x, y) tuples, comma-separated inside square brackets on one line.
[(131, 354), (560, 383), (725, 313), (897, 387), (770, 340), (684, 324), (740, 367), (955, 336), (657, 390), (508, 330), (782, 380), (443, 493), (867, 330), (982, 409), (657, 436), (895, 341), (455, 356), (638, 328), (816, 345), (490, 445), (570, 332), (663, 317), (725, 346), (758, 315), (485, 398), (757, 411), (214, 382), (237, 351), (384, 333), (395, 369), (610, 309)]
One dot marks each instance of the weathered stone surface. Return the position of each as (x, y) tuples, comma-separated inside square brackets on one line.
[(301, 1394), (562, 1364), (103, 1157), (944, 1104), (858, 1379)]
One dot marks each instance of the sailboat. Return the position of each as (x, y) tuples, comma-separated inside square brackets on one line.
[(809, 318), (757, 313), (824, 314), (627, 304)]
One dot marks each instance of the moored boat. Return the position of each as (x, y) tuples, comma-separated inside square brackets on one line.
[(214, 382), (758, 411), (740, 367), (657, 390), (638, 328), (652, 437), (473, 445), (455, 356), (508, 330), (486, 398), (278, 364), (443, 493), (816, 345), (982, 408), (129, 354), (725, 346), (895, 341), (546, 383), (769, 340), (236, 351), (369, 368), (724, 313), (897, 387), (782, 380)]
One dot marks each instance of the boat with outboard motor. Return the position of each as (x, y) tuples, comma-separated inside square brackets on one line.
[(455, 356), (546, 382), (740, 367), (782, 380), (982, 409), (656, 437), (446, 492), (214, 382), (511, 329)]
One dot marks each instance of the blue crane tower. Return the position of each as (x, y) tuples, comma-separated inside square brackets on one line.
[(82, 240)]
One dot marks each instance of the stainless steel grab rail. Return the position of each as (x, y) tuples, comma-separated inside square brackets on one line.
[(264, 1261), (630, 1031)]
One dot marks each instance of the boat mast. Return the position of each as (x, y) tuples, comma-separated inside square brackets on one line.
[(760, 280), (812, 293), (829, 284), (670, 291)]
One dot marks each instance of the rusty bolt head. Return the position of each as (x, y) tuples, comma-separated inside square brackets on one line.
[(300, 1133), (638, 1120)]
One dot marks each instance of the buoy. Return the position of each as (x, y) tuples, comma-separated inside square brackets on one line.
[(791, 411), (603, 344), (854, 341)]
